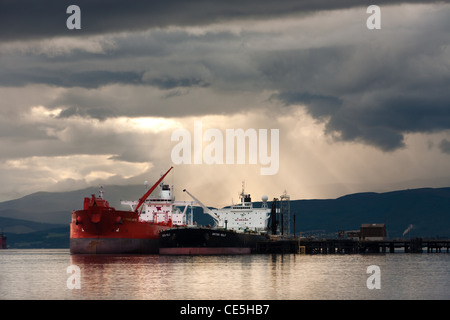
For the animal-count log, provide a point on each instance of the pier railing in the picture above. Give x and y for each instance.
(349, 246)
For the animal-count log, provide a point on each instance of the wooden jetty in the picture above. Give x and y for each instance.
(350, 246)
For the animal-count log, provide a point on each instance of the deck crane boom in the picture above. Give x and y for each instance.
(205, 208)
(147, 194)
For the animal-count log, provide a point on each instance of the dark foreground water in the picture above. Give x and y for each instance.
(55, 274)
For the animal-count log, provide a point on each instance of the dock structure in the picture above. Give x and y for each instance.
(351, 246)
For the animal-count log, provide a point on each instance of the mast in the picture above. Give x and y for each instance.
(273, 217)
(242, 195)
(147, 194)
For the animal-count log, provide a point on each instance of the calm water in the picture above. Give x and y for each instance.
(42, 274)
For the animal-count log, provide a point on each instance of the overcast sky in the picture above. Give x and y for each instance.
(357, 109)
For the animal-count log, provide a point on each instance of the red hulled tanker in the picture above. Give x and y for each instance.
(2, 241)
(101, 229)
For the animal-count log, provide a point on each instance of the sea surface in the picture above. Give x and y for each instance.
(56, 274)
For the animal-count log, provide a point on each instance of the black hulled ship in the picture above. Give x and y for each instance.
(237, 230)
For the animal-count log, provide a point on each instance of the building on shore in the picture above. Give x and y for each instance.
(372, 232)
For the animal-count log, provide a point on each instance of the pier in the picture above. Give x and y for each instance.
(350, 246)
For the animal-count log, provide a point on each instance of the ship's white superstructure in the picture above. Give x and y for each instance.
(240, 217)
(163, 208)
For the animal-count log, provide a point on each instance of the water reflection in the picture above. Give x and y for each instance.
(42, 274)
(220, 277)
(122, 277)
(261, 277)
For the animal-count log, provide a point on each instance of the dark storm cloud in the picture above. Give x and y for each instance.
(170, 83)
(110, 61)
(93, 79)
(26, 19)
(381, 124)
(67, 78)
(91, 112)
(373, 91)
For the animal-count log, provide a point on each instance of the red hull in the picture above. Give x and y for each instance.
(99, 228)
(2, 241)
(102, 229)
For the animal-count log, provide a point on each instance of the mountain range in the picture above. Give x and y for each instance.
(41, 220)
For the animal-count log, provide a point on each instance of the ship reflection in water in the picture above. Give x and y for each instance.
(42, 274)
(244, 277)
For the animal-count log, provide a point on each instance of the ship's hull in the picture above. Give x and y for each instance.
(113, 246)
(205, 241)
(107, 231)
(2, 241)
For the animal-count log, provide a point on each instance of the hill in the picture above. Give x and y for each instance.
(19, 226)
(427, 209)
(56, 238)
(56, 207)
